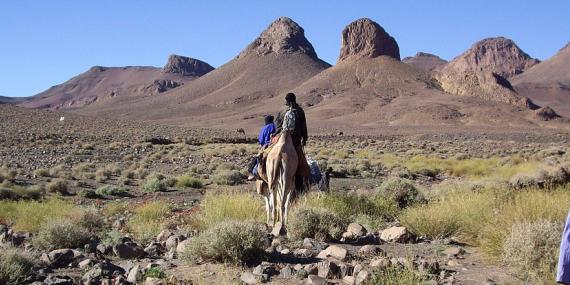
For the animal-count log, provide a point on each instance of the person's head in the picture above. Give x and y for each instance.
(290, 99)
(268, 119)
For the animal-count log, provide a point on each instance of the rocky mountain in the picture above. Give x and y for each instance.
(108, 85)
(425, 61)
(10, 100)
(237, 92)
(364, 38)
(484, 69)
(548, 83)
(367, 91)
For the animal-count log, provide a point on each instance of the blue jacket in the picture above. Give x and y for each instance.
(265, 134)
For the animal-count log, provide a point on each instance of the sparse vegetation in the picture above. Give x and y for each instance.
(110, 190)
(396, 275)
(57, 186)
(219, 207)
(155, 184)
(321, 224)
(189, 181)
(229, 241)
(148, 220)
(17, 266)
(228, 177)
(29, 216)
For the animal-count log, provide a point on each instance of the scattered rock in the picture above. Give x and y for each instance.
(303, 252)
(380, 263)
(546, 114)
(316, 280)
(328, 269)
(313, 244)
(154, 249)
(135, 274)
(370, 250)
(58, 280)
(153, 281)
(286, 272)
(250, 278)
(164, 235)
(350, 280)
(128, 250)
(181, 247)
(334, 251)
(277, 229)
(396, 234)
(104, 249)
(356, 229)
(102, 270)
(453, 251)
(58, 257)
(85, 263)
(362, 277)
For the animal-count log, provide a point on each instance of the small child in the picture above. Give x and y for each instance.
(264, 139)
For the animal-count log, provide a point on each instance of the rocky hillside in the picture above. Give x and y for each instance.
(548, 83)
(484, 69)
(425, 61)
(109, 85)
(364, 38)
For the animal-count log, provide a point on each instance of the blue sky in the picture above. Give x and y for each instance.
(44, 43)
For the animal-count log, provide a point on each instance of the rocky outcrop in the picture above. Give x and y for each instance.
(484, 69)
(500, 56)
(425, 61)
(546, 114)
(283, 36)
(365, 38)
(186, 66)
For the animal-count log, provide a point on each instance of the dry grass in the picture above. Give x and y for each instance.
(29, 216)
(236, 206)
(148, 220)
(17, 266)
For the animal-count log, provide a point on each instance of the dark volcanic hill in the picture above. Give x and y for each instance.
(280, 59)
(11, 100)
(106, 85)
(484, 69)
(548, 83)
(425, 61)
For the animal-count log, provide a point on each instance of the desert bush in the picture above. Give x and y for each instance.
(532, 249)
(155, 183)
(228, 177)
(111, 190)
(17, 266)
(219, 207)
(229, 241)
(29, 216)
(102, 175)
(189, 181)
(15, 192)
(61, 233)
(57, 186)
(463, 214)
(155, 272)
(401, 191)
(525, 206)
(7, 173)
(321, 224)
(42, 172)
(396, 275)
(148, 220)
(115, 208)
(352, 205)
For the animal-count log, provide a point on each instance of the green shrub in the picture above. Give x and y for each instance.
(61, 233)
(57, 186)
(229, 241)
(532, 248)
(320, 224)
(352, 205)
(189, 181)
(148, 220)
(228, 177)
(42, 172)
(219, 207)
(400, 190)
(111, 190)
(155, 184)
(395, 275)
(155, 272)
(17, 266)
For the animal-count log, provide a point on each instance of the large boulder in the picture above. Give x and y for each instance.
(334, 251)
(365, 38)
(396, 234)
(129, 250)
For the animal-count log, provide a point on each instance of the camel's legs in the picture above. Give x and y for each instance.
(267, 208)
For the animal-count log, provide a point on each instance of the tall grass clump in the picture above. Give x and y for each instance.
(29, 216)
(17, 266)
(401, 191)
(396, 275)
(112, 190)
(189, 181)
(527, 206)
(462, 214)
(229, 241)
(148, 220)
(532, 250)
(155, 183)
(218, 207)
(228, 177)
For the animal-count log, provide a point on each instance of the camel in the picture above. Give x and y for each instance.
(278, 182)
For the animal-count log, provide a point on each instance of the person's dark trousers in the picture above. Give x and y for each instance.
(252, 164)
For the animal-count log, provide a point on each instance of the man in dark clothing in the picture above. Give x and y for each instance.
(299, 135)
(264, 139)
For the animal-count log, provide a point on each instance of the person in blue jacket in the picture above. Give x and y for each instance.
(563, 274)
(264, 139)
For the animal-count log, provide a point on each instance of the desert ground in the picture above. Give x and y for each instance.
(98, 201)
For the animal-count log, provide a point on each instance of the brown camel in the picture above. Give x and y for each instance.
(280, 168)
